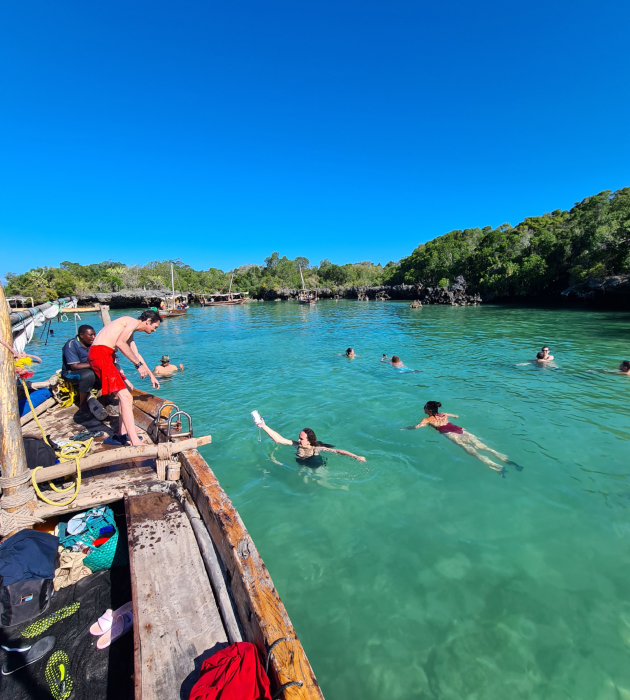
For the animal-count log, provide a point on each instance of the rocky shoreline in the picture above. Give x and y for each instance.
(453, 296)
(609, 292)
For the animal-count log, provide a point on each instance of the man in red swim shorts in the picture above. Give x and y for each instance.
(118, 335)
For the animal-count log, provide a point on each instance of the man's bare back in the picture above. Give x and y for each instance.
(112, 331)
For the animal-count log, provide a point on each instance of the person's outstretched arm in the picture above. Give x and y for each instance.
(276, 437)
(421, 424)
(451, 415)
(341, 452)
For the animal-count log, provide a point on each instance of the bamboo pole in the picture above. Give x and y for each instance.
(12, 454)
(100, 459)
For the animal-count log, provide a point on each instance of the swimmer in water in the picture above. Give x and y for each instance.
(394, 362)
(624, 367)
(462, 437)
(544, 356)
(350, 352)
(308, 446)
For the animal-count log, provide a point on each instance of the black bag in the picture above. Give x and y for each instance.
(28, 561)
(38, 453)
(24, 600)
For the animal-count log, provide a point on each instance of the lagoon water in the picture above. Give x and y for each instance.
(422, 573)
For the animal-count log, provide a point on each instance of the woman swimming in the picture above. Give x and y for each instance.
(624, 367)
(462, 437)
(308, 446)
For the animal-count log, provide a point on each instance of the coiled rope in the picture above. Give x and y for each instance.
(75, 449)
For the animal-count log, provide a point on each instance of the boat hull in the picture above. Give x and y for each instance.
(233, 302)
(171, 314)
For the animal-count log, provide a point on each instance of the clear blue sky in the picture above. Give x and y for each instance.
(220, 132)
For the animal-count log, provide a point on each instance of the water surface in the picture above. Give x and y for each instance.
(422, 573)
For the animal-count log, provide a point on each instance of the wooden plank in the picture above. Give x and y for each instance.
(262, 614)
(176, 621)
(101, 490)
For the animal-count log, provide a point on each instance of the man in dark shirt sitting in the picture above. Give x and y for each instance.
(75, 365)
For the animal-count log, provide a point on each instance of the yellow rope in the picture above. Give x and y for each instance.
(67, 393)
(74, 449)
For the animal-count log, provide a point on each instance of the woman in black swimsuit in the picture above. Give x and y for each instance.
(308, 446)
(462, 437)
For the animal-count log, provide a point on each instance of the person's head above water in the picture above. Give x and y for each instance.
(307, 439)
(395, 359)
(431, 408)
(546, 349)
(540, 356)
(350, 352)
(625, 366)
(165, 360)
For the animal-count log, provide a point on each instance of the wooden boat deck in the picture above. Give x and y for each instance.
(176, 621)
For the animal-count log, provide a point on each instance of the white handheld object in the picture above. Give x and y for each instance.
(256, 417)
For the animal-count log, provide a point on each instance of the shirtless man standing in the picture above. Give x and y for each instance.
(166, 368)
(118, 335)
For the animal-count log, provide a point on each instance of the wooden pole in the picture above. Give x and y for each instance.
(105, 315)
(12, 454)
(100, 459)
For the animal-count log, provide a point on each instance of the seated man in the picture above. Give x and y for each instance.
(166, 369)
(75, 365)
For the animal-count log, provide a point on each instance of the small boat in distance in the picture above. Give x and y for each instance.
(171, 305)
(306, 296)
(229, 299)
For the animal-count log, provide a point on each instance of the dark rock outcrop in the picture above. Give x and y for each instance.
(127, 299)
(613, 292)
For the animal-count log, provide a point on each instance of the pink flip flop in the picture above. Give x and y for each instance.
(106, 620)
(122, 625)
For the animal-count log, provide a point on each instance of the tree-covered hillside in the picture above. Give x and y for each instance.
(541, 254)
(44, 283)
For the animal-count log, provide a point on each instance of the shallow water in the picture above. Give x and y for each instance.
(422, 573)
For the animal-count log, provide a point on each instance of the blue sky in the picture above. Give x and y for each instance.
(220, 132)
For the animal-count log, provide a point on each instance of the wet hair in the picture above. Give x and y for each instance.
(84, 329)
(149, 315)
(540, 356)
(348, 351)
(312, 439)
(395, 358)
(625, 364)
(433, 407)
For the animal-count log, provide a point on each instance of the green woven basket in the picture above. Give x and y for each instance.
(110, 553)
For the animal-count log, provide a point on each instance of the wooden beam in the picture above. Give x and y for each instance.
(119, 454)
(28, 417)
(12, 454)
(105, 314)
(260, 609)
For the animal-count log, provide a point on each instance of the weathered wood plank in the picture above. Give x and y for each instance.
(101, 490)
(262, 614)
(176, 621)
(42, 408)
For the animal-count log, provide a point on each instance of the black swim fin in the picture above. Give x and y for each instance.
(19, 659)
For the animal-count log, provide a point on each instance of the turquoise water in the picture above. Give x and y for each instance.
(422, 573)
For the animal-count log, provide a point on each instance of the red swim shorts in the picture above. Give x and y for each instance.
(101, 359)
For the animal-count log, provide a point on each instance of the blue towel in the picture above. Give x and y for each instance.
(38, 396)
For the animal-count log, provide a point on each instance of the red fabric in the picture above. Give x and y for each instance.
(234, 673)
(101, 359)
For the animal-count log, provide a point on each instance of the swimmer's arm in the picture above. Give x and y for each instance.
(451, 415)
(421, 424)
(276, 437)
(341, 452)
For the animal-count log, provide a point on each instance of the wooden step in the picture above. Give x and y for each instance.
(176, 621)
